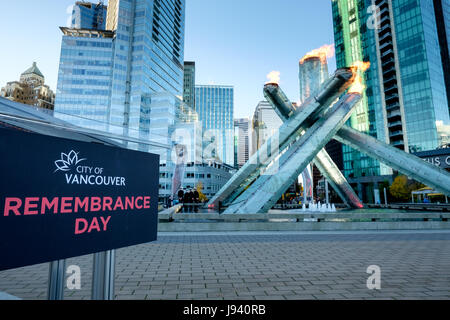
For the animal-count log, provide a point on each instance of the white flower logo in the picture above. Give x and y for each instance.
(67, 161)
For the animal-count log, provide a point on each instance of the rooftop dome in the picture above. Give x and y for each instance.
(33, 70)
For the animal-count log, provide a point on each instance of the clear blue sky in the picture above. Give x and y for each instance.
(233, 42)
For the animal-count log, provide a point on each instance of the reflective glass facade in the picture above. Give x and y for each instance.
(215, 108)
(148, 57)
(242, 141)
(265, 123)
(354, 43)
(422, 78)
(442, 11)
(313, 72)
(189, 84)
(87, 15)
(141, 70)
(84, 81)
(406, 91)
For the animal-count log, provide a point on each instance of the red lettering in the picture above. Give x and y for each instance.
(29, 206)
(45, 204)
(105, 222)
(77, 226)
(136, 204)
(66, 205)
(94, 225)
(129, 203)
(107, 202)
(81, 204)
(96, 204)
(34, 205)
(119, 204)
(146, 202)
(14, 208)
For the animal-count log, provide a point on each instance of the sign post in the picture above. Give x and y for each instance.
(103, 275)
(56, 278)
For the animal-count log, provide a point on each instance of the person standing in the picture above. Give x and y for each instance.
(187, 199)
(196, 201)
(191, 200)
(180, 195)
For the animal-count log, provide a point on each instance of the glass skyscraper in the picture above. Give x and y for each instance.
(136, 64)
(352, 45)
(189, 84)
(85, 77)
(215, 108)
(148, 58)
(442, 11)
(313, 71)
(242, 141)
(87, 15)
(406, 94)
(265, 123)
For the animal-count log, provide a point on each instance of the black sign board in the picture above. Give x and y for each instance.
(61, 198)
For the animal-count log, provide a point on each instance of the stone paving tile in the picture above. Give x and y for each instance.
(270, 266)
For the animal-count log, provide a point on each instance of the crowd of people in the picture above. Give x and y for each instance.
(190, 198)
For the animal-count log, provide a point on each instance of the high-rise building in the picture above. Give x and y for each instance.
(88, 15)
(148, 58)
(215, 108)
(313, 71)
(406, 94)
(85, 77)
(189, 84)
(265, 124)
(442, 11)
(242, 141)
(30, 89)
(116, 79)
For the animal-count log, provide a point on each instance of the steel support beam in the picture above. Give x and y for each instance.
(337, 180)
(312, 110)
(322, 160)
(56, 278)
(410, 165)
(264, 193)
(103, 275)
(284, 108)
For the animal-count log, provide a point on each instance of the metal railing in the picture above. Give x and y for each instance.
(85, 131)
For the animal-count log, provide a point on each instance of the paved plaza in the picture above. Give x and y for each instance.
(258, 266)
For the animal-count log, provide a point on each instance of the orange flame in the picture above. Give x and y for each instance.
(274, 77)
(359, 68)
(324, 52)
(361, 65)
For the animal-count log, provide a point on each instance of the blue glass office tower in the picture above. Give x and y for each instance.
(442, 11)
(148, 57)
(87, 15)
(215, 108)
(85, 76)
(142, 69)
(421, 83)
(406, 91)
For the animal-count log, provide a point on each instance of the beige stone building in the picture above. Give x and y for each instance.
(31, 89)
